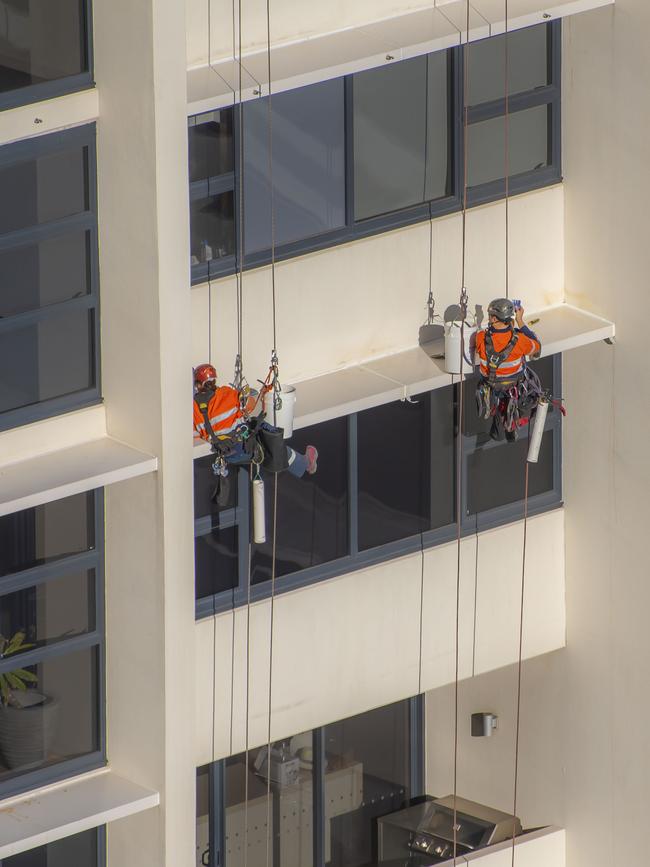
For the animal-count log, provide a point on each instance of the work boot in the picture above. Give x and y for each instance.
(495, 433)
(311, 453)
(511, 435)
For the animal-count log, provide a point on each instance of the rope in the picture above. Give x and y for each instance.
(519, 666)
(276, 406)
(239, 272)
(459, 443)
(507, 150)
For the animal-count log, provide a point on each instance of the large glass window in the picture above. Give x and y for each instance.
(49, 324)
(80, 850)
(407, 487)
(51, 625)
(368, 761)
(317, 799)
(312, 512)
(44, 49)
(528, 142)
(401, 135)
(308, 165)
(374, 150)
(385, 485)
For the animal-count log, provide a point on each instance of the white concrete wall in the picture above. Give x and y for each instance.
(367, 298)
(289, 21)
(486, 765)
(351, 643)
(607, 466)
(143, 225)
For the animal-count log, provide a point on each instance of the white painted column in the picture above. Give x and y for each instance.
(144, 259)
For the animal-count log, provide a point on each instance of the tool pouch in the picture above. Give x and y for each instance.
(275, 450)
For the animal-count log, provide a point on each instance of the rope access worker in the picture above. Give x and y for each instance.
(507, 386)
(218, 414)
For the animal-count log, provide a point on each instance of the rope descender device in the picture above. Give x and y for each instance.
(275, 381)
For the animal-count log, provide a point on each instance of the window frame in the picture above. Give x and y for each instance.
(59, 86)
(452, 203)
(91, 559)
(101, 847)
(217, 785)
(549, 95)
(85, 221)
(355, 559)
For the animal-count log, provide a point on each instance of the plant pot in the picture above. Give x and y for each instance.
(26, 732)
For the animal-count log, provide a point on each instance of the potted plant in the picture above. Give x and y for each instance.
(26, 715)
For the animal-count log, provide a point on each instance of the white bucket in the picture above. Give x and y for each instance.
(453, 333)
(283, 417)
(538, 430)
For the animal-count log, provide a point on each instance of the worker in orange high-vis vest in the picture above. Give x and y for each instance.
(218, 413)
(502, 350)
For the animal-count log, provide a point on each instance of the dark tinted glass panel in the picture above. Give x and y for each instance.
(308, 165)
(210, 141)
(51, 612)
(45, 533)
(312, 512)
(46, 272)
(215, 562)
(55, 719)
(473, 425)
(406, 468)
(80, 850)
(401, 139)
(43, 189)
(204, 486)
(527, 145)
(212, 228)
(527, 64)
(203, 805)
(41, 40)
(291, 841)
(368, 758)
(46, 359)
(496, 475)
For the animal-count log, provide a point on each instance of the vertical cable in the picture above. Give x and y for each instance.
(519, 667)
(506, 135)
(276, 406)
(459, 433)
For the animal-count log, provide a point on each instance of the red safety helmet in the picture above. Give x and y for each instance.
(203, 374)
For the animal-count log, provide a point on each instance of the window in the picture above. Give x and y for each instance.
(401, 117)
(51, 629)
(385, 486)
(44, 49)
(533, 127)
(49, 318)
(494, 472)
(374, 150)
(328, 787)
(80, 850)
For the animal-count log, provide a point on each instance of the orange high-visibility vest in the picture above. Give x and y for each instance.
(223, 410)
(512, 366)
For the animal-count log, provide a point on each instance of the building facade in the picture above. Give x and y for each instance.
(188, 183)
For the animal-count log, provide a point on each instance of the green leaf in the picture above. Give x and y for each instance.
(25, 675)
(15, 682)
(15, 642)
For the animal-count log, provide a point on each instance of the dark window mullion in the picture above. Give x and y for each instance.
(353, 486)
(48, 572)
(516, 102)
(319, 821)
(83, 221)
(60, 648)
(212, 186)
(52, 311)
(47, 145)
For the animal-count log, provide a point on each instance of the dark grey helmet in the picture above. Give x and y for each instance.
(502, 308)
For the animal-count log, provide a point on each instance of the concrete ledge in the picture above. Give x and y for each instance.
(67, 808)
(411, 372)
(330, 55)
(63, 456)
